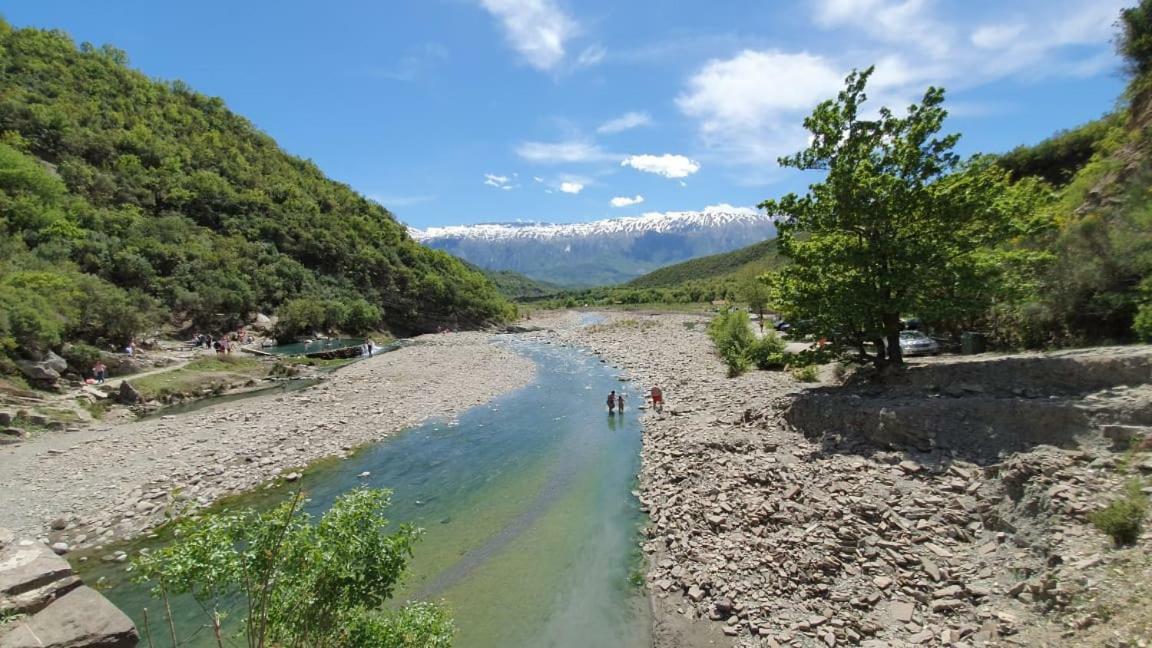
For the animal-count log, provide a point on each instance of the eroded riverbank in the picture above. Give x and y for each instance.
(763, 536)
(109, 483)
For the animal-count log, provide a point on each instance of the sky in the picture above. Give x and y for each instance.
(464, 111)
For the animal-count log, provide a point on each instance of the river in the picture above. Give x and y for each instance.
(531, 526)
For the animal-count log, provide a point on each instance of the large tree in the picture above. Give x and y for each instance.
(892, 228)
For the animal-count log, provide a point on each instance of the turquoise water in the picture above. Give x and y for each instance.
(531, 528)
(301, 348)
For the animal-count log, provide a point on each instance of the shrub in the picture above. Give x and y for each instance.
(768, 353)
(807, 373)
(734, 340)
(1122, 518)
(297, 583)
(1142, 324)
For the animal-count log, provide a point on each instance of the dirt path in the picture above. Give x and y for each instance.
(113, 482)
(760, 536)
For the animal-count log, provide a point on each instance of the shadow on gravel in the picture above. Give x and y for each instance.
(982, 410)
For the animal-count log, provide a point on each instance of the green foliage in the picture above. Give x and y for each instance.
(894, 225)
(1057, 159)
(733, 339)
(1123, 518)
(768, 352)
(1142, 324)
(807, 373)
(143, 197)
(1135, 39)
(719, 271)
(514, 285)
(297, 583)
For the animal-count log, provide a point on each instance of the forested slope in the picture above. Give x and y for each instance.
(755, 259)
(126, 201)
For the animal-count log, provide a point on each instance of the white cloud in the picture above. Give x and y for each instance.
(591, 55)
(537, 29)
(749, 107)
(562, 152)
(627, 121)
(571, 187)
(538, 178)
(667, 165)
(498, 181)
(625, 201)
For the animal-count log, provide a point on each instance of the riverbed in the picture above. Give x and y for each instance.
(528, 505)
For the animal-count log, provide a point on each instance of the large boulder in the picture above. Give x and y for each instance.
(31, 576)
(128, 394)
(82, 618)
(46, 370)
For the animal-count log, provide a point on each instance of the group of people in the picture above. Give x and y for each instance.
(224, 344)
(616, 400)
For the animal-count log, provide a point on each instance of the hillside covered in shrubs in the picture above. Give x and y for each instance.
(128, 203)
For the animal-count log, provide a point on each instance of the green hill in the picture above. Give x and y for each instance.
(126, 202)
(514, 285)
(737, 264)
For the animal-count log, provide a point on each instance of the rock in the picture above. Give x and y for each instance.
(80, 618)
(883, 582)
(901, 611)
(60, 548)
(59, 524)
(910, 467)
(128, 394)
(44, 371)
(6, 418)
(31, 577)
(292, 476)
(12, 435)
(695, 593)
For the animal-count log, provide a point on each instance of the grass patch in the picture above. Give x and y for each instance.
(1123, 518)
(97, 409)
(208, 372)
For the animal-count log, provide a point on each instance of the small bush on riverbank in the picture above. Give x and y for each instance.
(296, 583)
(734, 340)
(1123, 518)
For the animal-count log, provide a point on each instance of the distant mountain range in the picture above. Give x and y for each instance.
(601, 252)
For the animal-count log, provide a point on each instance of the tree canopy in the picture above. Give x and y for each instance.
(894, 226)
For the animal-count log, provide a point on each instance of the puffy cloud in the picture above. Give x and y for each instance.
(591, 55)
(536, 29)
(625, 201)
(667, 165)
(562, 152)
(625, 122)
(571, 187)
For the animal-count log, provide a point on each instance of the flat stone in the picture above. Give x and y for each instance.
(883, 582)
(901, 611)
(28, 565)
(80, 618)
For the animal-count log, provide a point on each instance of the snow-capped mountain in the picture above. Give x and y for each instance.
(604, 251)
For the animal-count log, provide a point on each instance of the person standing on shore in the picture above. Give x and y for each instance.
(657, 399)
(371, 346)
(99, 372)
(612, 402)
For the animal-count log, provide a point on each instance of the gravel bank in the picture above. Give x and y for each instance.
(110, 483)
(760, 536)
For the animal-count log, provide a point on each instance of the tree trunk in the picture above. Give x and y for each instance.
(892, 333)
(881, 358)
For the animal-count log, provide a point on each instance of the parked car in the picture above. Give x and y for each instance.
(914, 343)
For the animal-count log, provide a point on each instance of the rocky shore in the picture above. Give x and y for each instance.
(774, 523)
(86, 488)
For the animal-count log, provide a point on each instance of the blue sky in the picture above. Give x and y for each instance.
(462, 111)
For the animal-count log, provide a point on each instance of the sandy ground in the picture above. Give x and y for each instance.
(108, 483)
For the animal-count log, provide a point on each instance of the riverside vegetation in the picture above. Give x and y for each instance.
(1044, 246)
(128, 203)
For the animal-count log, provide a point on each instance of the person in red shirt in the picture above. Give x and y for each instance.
(657, 399)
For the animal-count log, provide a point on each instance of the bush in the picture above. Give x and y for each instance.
(1142, 324)
(1122, 518)
(734, 340)
(767, 353)
(299, 583)
(807, 373)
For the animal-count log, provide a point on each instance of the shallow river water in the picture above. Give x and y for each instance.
(531, 525)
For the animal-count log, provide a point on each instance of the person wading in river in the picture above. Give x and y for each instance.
(612, 402)
(620, 402)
